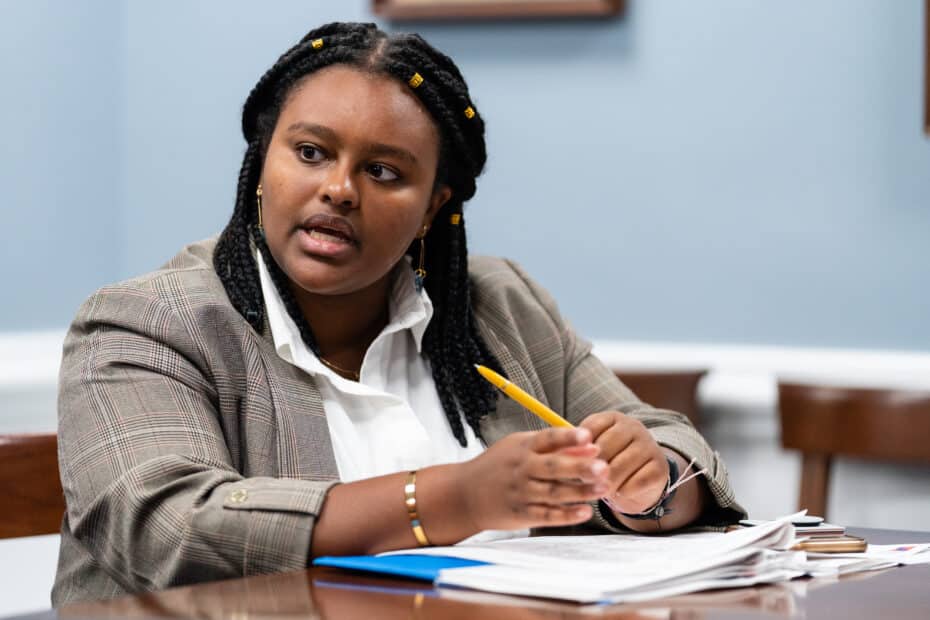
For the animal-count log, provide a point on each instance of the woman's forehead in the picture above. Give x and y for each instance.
(359, 105)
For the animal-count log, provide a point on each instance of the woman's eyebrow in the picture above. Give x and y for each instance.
(318, 130)
(379, 149)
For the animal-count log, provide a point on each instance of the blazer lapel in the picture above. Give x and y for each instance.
(304, 447)
(510, 417)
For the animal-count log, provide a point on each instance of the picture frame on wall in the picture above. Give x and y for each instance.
(927, 67)
(494, 9)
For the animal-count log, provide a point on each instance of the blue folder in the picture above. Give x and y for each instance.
(423, 567)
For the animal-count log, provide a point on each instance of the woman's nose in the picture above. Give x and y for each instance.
(339, 188)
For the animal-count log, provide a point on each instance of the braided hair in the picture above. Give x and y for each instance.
(451, 342)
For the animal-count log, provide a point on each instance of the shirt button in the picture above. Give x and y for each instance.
(238, 496)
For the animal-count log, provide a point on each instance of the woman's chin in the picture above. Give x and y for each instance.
(331, 280)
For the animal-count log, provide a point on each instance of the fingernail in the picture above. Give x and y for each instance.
(582, 435)
(581, 512)
(600, 487)
(598, 467)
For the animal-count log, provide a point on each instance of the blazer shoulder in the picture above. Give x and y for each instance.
(494, 273)
(184, 286)
(504, 295)
(189, 272)
(481, 268)
(195, 256)
(502, 282)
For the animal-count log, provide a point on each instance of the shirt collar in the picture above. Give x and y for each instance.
(407, 309)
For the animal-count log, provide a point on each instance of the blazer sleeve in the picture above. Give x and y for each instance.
(590, 387)
(151, 489)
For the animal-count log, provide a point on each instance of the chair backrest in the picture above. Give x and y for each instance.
(823, 421)
(666, 389)
(33, 502)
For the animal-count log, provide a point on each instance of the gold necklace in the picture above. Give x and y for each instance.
(354, 375)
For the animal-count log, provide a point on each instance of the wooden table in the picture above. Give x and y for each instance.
(893, 594)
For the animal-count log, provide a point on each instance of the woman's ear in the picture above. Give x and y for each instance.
(441, 196)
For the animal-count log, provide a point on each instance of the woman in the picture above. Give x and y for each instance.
(209, 409)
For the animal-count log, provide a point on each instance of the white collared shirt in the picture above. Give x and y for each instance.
(391, 419)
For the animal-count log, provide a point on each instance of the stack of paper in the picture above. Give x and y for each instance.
(628, 568)
(615, 568)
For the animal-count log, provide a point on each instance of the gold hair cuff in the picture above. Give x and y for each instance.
(317, 44)
(469, 112)
(415, 80)
(410, 499)
(455, 218)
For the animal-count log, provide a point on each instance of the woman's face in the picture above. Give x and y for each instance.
(347, 182)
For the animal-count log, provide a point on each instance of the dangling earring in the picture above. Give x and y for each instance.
(420, 272)
(258, 200)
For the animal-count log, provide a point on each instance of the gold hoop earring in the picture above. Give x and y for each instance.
(258, 200)
(420, 272)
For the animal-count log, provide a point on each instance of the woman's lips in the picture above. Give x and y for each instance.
(332, 225)
(327, 236)
(319, 243)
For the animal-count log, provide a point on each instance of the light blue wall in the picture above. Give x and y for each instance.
(61, 78)
(737, 171)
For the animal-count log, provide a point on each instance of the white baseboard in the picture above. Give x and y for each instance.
(28, 579)
(30, 357)
(741, 383)
(847, 367)
(29, 363)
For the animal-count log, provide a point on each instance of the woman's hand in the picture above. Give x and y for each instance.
(534, 479)
(638, 469)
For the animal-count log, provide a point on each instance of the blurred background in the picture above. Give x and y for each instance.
(742, 172)
(739, 187)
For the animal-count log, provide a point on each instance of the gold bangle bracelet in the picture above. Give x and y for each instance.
(410, 499)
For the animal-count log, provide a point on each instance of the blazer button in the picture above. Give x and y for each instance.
(238, 496)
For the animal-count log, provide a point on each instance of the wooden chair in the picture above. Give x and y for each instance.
(823, 421)
(666, 389)
(33, 502)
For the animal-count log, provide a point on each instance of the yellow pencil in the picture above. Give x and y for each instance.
(549, 416)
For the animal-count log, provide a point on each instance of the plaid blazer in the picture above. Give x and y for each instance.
(189, 451)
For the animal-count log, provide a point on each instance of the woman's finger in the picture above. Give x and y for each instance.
(589, 450)
(613, 442)
(643, 488)
(563, 492)
(597, 423)
(557, 466)
(552, 439)
(553, 516)
(624, 465)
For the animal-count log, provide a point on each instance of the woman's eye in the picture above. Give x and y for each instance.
(308, 152)
(382, 173)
